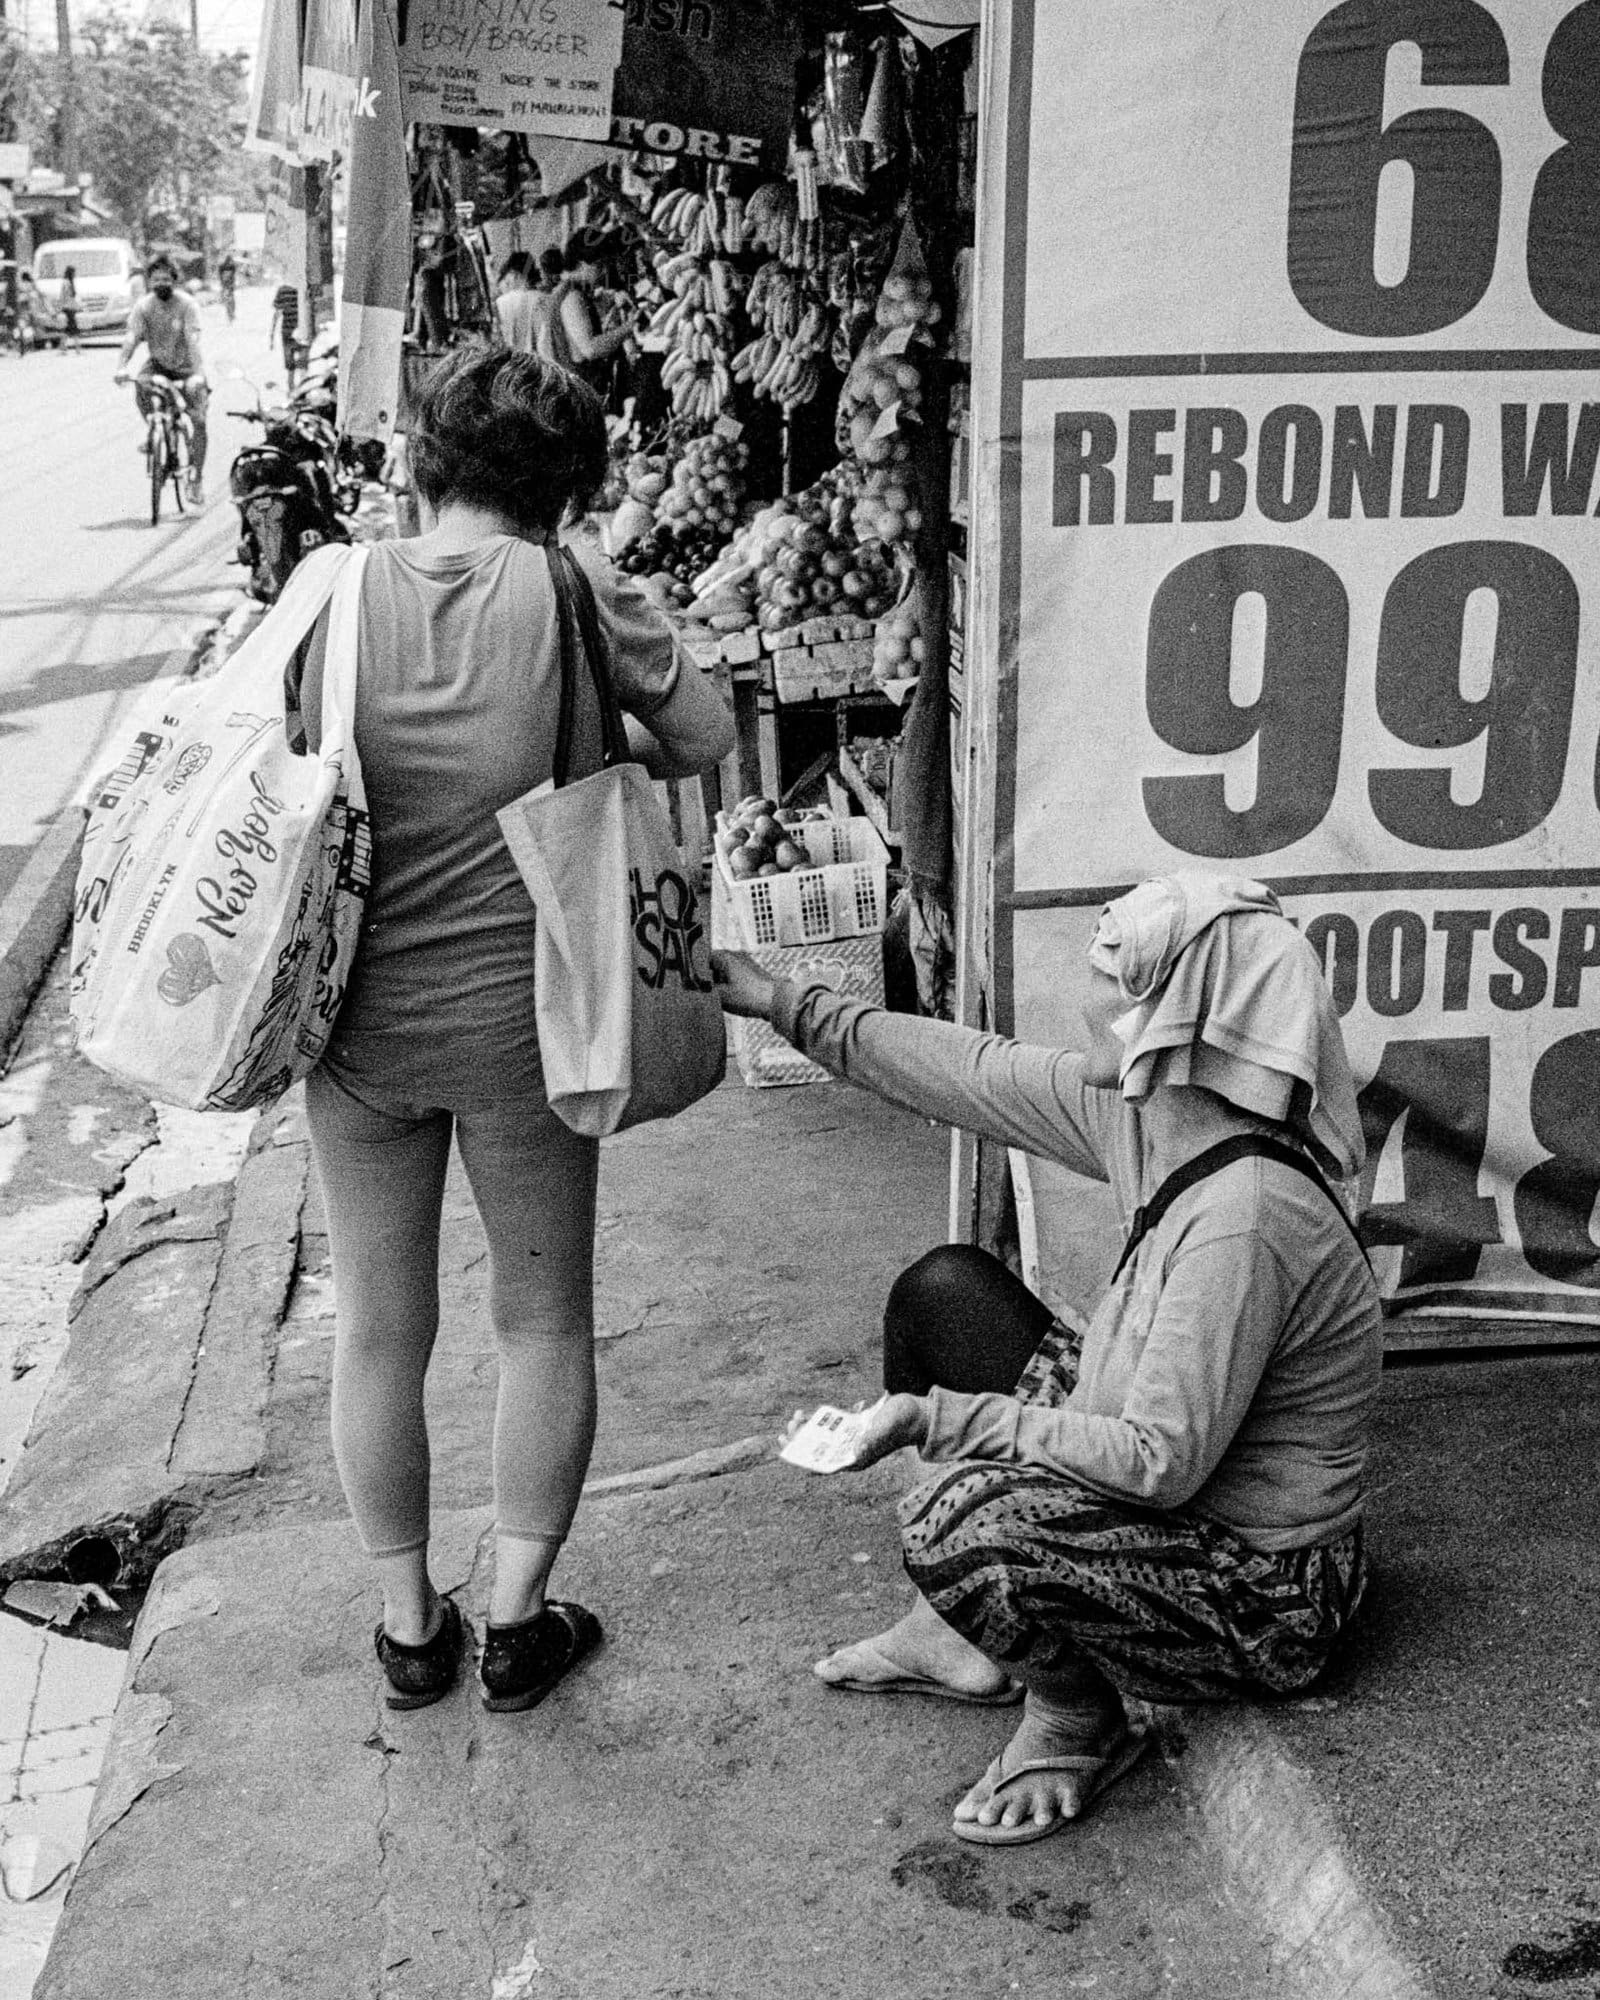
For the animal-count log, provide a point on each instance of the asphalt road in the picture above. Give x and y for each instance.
(93, 600)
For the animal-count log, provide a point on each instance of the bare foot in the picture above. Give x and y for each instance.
(1100, 1744)
(919, 1647)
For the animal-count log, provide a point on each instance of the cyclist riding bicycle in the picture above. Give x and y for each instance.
(168, 323)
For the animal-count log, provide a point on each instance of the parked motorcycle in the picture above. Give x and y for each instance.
(356, 460)
(285, 491)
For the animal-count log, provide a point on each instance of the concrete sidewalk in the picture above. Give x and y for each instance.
(694, 1814)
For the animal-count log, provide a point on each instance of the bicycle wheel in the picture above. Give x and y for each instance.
(158, 468)
(178, 471)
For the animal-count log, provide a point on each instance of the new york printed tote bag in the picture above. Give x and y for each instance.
(630, 1027)
(221, 887)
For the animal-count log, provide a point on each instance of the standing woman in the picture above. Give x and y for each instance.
(572, 337)
(67, 302)
(456, 714)
(1168, 1507)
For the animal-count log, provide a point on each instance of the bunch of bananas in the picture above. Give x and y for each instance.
(781, 361)
(702, 223)
(696, 373)
(779, 368)
(772, 222)
(781, 303)
(702, 284)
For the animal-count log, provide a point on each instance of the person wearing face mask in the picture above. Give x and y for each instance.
(1164, 1505)
(167, 322)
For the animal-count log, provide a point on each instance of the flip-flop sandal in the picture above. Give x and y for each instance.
(522, 1663)
(1101, 1771)
(418, 1675)
(898, 1681)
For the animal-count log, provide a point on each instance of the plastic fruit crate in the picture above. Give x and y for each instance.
(843, 894)
(845, 965)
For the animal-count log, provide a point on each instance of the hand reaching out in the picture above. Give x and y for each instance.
(742, 986)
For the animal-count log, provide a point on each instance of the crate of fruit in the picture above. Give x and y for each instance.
(852, 965)
(800, 878)
(824, 671)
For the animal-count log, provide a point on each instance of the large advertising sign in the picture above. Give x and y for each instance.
(1293, 407)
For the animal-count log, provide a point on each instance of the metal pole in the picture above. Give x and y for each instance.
(68, 114)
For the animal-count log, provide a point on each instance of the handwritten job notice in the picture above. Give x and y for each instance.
(512, 65)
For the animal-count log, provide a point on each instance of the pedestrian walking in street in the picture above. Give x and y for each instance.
(285, 322)
(458, 704)
(67, 305)
(1167, 1506)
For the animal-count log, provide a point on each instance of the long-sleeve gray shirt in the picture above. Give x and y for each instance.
(1232, 1366)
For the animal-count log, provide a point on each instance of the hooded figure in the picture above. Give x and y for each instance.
(1165, 1504)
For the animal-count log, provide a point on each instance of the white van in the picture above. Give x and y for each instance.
(108, 276)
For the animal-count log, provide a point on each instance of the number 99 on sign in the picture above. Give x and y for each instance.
(1521, 726)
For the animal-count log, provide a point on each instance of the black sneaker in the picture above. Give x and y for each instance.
(421, 1674)
(522, 1663)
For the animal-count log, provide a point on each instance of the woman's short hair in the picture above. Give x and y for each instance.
(551, 262)
(517, 265)
(509, 431)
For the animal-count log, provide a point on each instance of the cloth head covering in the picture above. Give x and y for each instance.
(1227, 996)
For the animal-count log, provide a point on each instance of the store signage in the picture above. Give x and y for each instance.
(327, 79)
(515, 65)
(1297, 319)
(709, 79)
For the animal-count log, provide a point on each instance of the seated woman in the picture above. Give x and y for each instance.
(1169, 1509)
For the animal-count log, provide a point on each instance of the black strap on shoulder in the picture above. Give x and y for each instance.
(581, 638)
(1243, 1146)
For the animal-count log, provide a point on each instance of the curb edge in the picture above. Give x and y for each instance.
(1283, 1860)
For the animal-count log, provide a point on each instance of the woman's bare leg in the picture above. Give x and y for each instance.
(534, 1182)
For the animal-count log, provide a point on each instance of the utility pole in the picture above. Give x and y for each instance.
(194, 24)
(67, 117)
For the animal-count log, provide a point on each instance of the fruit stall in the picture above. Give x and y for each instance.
(779, 196)
(798, 504)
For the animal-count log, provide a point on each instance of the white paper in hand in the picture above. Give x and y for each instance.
(827, 1440)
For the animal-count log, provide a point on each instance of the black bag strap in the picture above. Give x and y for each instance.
(581, 637)
(1243, 1146)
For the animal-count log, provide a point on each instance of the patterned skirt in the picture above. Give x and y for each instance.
(1037, 1570)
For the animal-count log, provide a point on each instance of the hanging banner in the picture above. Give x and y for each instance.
(1283, 509)
(513, 65)
(284, 244)
(327, 79)
(272, 124)
(377, 258)
(709, 79)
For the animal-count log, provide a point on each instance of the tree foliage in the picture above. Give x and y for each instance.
(158, 122)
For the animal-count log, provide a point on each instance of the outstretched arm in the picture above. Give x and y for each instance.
(1015, 1092)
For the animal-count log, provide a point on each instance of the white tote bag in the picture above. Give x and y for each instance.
(223, 877)
(630, 1027)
